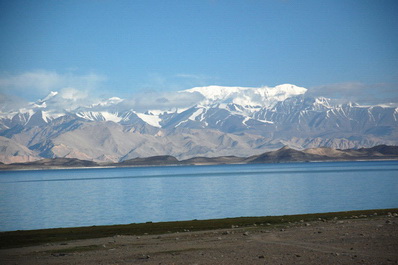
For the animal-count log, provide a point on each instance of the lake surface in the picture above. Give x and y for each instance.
(85, 197)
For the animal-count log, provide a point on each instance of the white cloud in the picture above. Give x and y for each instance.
(36, 84)
(161, 82)
(73, 94)
(10, 103)
(161, 101)
(358, 92)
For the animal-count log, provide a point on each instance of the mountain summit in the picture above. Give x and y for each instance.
(248, 96)
(220, 121)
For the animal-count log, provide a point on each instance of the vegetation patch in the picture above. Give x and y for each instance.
(77, 249)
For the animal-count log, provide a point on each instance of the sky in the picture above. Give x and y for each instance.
(104, 48)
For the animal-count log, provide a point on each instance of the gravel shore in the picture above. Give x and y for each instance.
(357, 240)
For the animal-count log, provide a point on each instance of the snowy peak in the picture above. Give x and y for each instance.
(248, 96)
(49, 96)
(108, 102)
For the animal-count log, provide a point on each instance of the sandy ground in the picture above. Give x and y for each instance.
(349, 241)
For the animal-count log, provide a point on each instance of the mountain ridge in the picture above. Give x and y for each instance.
(214, 125)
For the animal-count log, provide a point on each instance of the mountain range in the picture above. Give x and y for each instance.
(282, 155)
(218, 121)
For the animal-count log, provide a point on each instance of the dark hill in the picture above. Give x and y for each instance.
(284, 154)
(58, 162)
(150, 161)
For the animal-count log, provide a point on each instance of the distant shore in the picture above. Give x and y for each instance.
(26, 168)
(283, 155)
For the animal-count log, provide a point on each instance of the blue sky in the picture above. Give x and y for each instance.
(337, 48)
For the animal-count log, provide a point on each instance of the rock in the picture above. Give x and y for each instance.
(298, 256)
(144, 257)
(226, 233)
(58, 254)
(261, 257)
(246, 233)
(307, 224)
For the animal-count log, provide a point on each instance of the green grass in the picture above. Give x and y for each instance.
(35, 237)
(78, 249)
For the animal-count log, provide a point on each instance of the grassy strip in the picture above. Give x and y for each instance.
(75, 249)
(35, 237)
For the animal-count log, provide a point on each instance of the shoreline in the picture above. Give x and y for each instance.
(23, 238)
(4, 167)
(355, 237)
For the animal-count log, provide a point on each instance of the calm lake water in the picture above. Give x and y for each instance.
(86, 197)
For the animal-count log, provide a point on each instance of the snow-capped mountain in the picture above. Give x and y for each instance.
(239, 121)
(248, 96)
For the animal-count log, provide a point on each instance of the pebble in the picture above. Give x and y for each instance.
(144, 257)
(58, 254)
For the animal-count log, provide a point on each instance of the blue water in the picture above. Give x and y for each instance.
(85, 197)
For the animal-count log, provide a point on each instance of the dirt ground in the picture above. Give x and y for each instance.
(349, 241)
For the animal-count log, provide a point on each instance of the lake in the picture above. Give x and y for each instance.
(38, 199)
